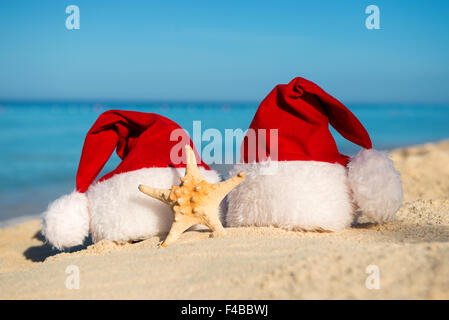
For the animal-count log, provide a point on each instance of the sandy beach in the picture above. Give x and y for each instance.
(411, 254)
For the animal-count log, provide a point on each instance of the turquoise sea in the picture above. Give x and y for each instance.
(41, 142)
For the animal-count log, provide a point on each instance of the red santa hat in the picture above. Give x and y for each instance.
(303, 181)
(151, 148)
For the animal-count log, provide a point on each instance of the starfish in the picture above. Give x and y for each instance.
(194, 201)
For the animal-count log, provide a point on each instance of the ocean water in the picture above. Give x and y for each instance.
(40, 143)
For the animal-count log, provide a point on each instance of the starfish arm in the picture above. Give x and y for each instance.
(224, 187)
(178, 227)
(191, 166)
(212, 221)
(159, 194)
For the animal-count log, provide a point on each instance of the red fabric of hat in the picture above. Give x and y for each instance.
(141, 140)
(301, 112)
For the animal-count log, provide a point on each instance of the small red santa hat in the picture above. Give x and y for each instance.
(141, 140)
(308, 177)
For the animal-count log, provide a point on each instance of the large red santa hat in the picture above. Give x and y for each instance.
(298, 178)
(151, 148)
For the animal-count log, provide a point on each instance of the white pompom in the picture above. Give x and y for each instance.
(376, 185)
(66, 221)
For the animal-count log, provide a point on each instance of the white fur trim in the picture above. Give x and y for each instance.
(375, 184)
(66, 222)
(304, 195)
(120, 212)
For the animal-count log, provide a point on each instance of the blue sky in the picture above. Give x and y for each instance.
(223, 50)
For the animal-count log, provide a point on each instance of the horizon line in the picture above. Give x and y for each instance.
(211, 101)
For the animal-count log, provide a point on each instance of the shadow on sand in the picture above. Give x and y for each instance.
(42, 252)
(407, 232)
